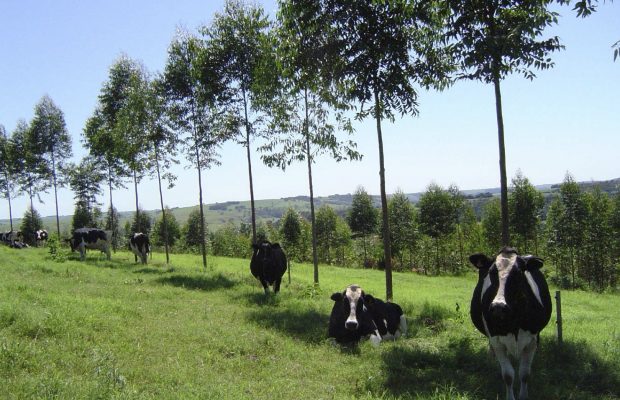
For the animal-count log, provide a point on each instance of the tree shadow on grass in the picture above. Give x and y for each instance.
(206, 283)
(571, 371)
(154, 270)
(309, 326)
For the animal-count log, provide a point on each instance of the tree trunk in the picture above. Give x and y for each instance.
(502, 160)
(315, 258)
(202, 215)
(112, 223)
(55, 193)
(247, 142)
(31, 195)
(163, 210)
(387, 250)
(8, 197)
(135, 186)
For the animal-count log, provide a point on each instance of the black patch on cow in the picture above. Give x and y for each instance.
(386, 315)
(268, 264)
(340, 314)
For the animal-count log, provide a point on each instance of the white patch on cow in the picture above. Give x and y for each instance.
(486, 284)
(511, 345)
(504, 266)
(353, 294)
(375, 338)
(403, 325)
(534, 286)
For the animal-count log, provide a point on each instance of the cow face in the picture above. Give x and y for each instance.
(352, 301)
(505, 281)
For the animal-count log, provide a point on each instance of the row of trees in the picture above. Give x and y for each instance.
(293, 82)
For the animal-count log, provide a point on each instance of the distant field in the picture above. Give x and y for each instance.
(113, 329)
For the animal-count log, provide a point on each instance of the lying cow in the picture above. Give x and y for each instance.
(268, 265)
(140, 246)
(511, 305)
(90, 238)
(356, 315)
(41, 236)
(10, 237)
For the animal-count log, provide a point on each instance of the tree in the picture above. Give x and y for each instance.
(7, 170)
(31, 170)
(112, 224)
(383, 48)
(49, 126)
(237, 36)
(363, 217)
(31, 223)
(326, 223)
(85, 181)
(403, 225)
(525, 204)
(168, 234)
(492, 39)
(141, 222)
(290, 230)
(598, 240)
(298, 103)
(193, 86)
(193, 229)
(492, 225)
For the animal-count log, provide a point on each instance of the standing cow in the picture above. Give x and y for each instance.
(90, 238)
(356, 315)
(41, 236)
(140, 246)
(511, 305)
(268, 265)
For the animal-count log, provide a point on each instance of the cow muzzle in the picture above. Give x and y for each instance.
(351, 324)
(499, 310)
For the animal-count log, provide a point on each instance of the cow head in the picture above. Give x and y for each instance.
(506, 279)
(352, 301)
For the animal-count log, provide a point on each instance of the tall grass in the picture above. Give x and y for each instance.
(115, 329)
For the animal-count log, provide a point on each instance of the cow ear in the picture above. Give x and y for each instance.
(532, 263)
(480, 260)
(368, 299)
(336, 296)
(275, 245)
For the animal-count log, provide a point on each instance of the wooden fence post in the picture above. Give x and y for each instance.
(558, 320)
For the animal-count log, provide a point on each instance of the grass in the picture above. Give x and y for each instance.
(119, 330)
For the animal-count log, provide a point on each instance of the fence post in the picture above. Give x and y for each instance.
(558, 308)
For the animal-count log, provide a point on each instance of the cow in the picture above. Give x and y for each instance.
(356, 315)
(90, 238)
(140, 246)
(41, 236)
(11, 236)
(268, 264)
(510, 305)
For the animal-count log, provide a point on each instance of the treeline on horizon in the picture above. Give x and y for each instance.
(290, 89)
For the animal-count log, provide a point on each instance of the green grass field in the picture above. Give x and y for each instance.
(116, 330)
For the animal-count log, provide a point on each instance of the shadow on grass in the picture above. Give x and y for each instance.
(154, 270)
(571, 371)
(207, 283)
(308, 326)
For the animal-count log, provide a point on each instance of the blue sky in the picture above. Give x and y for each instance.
(565, 120)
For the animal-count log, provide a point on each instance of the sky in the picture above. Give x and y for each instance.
(566, 120)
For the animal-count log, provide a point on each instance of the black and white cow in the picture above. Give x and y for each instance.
(268, 264)
(90, 238)
(356, 315)
(140, 246)
(510, 305)
(10, 237)
(41, 236)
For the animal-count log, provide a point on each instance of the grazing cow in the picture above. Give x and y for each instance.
(268, 264)
(511, 305)
(140, 246)
(90, 238)
(357, 315)
(41, 236)
(10, 237)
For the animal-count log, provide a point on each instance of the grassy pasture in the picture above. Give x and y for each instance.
(114, 329)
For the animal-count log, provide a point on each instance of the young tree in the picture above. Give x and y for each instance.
(326, 222)
(492, 39)
(166, 231)
(7, 170)
(49, 127)
(85, 181)
(193, 86)
(31, 223)
(525, 204)
(383, 49)
(193, 229)
(363, 217)
(492, 225)
(112, 224)
(290, 230)
(403, 225)
(598, 240)
(141, 222)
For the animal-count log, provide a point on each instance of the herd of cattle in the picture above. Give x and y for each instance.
(510, 305)
(15, 239)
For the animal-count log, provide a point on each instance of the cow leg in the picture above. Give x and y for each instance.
(525, 366)
(508, 372)
(265, 286)
(82, 249)
(276, 285)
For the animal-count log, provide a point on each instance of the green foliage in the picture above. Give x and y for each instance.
(84, 217)
(525, 205)
(54, 248)
(403, 226)
(229, 241)
(31, 223)
(173, 230)
(191, 233)
(492, 225)
(141, 223)
(112, 223)
(438, 212)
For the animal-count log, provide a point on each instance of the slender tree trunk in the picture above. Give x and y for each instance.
(502, 160)
(135, 185)
(55, 193)
(112, 222)
(315, 258)
(31, 195)
(163, 210)
(247, 142)
(8, 197)
(387, 250)
(202, 215)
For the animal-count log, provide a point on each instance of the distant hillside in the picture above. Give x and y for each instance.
(234, 212)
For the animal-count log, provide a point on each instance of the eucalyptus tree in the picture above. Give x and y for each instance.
(383, 49)
(31, 170)
(194, 86)
(494, 38)
(492, 225)
(7, 170)
(300, 108)
(49, 127)
(525, 205)
(363, 217)
(85, 181)
(403, 225)
(236, 35)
